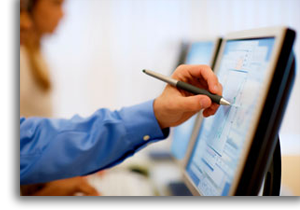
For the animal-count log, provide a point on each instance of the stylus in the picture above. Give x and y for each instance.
(187, 87)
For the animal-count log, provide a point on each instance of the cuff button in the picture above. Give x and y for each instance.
(146, 138)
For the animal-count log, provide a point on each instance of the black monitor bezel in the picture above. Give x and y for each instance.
(267, 128)
(265, 138)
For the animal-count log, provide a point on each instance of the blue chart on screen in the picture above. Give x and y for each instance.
(217, 151)
(199, 53)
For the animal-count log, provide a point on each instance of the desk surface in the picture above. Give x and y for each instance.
(162, 172)
(291, 173)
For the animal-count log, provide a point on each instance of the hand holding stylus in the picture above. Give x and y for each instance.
(174, 106)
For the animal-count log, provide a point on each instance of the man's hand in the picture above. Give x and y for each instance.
(175, 106)
(68, 187)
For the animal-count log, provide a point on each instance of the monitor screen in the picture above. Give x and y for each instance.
(199, 53)
(221, 139)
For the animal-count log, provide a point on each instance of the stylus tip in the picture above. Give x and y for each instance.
(224, 102)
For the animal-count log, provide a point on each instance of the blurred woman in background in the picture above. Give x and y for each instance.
(37, 19)
(35, 82)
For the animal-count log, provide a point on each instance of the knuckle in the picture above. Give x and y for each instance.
(206, 67)
(182, 66)
(179, 70)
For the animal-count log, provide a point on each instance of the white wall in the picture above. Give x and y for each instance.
(97, 54)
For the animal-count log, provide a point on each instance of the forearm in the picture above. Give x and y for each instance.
(54, 149)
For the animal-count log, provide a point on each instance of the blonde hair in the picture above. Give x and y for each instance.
(41, 75)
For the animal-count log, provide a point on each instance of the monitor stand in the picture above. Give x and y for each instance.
(179, 189)
(272, 181)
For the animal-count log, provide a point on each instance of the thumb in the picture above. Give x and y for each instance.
(195, 103)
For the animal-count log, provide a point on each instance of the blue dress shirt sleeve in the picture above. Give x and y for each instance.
(52, 149)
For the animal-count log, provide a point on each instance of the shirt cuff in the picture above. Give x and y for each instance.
(141, 124)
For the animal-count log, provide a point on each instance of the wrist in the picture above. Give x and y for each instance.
(159, 114)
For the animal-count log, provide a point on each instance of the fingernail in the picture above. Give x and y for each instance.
(204, 103)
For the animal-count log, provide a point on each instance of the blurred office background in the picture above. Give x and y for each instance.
(97, 55)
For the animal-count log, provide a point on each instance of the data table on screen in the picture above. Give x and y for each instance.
(221, 139)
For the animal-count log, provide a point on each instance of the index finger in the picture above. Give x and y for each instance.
(184, 72)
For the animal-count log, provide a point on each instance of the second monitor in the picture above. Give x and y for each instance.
(202, 52)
